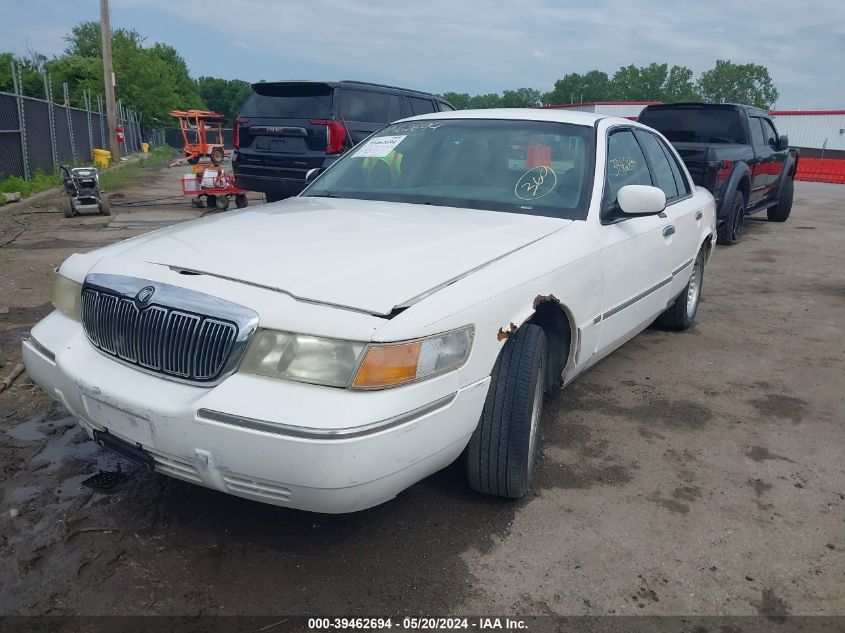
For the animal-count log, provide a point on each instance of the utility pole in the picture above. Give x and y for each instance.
(108, 78)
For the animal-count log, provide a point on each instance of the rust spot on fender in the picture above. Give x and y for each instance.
(504, 334)
(543, 299)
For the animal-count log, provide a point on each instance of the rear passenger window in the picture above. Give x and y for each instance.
(421, 106)
(363, 106)
(659, 163)
(626, 164)
(757, 137)
(678, 173)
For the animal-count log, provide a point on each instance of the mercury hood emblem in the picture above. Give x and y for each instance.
(145, 295)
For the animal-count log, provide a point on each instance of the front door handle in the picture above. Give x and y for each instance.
(669, 230)
(698, 215)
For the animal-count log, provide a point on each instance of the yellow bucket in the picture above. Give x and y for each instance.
(101, 158)
(145, 147)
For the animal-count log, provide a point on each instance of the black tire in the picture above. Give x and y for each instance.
(217, 155)
(681, 314)
(105, 207)
(211, 201)
(241, 201)
(730, 230)
(67, 207)
(501, 454)
(193, 160)
(222, 202)
(780, 212)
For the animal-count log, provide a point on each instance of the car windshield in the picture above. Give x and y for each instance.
(528, 167)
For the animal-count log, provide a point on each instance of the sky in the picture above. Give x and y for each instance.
(474, 46)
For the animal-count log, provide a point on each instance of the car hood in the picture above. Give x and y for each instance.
(370, 256)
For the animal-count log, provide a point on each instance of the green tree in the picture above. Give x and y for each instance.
(225, 96)
(655, 82)
(576, 88)
(460, 100)
(738, 83)
(520, 98)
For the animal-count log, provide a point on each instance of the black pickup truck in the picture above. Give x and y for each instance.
(735, 152)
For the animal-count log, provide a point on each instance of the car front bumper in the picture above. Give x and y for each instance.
(290, 444)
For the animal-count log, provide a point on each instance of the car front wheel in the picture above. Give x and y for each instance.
(502, 452)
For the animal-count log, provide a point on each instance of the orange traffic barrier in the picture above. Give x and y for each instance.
(821, 170)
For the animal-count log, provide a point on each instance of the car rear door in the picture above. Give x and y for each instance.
(684, 217)
(763, 163)
(282, 127)
(366, 111)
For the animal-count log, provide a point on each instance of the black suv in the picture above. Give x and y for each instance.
(286, 128)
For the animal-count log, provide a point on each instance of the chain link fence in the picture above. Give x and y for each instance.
(39, 135)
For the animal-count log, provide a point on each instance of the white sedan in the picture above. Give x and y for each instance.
(411, 307)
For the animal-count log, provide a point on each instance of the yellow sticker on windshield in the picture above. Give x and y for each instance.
(535, 183)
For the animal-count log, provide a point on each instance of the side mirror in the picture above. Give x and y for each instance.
(783, 142)
(637, 200)
(311, 174)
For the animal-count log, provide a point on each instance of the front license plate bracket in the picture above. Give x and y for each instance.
(134, 453)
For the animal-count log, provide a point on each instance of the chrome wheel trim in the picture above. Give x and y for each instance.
(694, 288)
(536, 408)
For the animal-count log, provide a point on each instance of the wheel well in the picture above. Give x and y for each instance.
(552, 318)
(744, 187)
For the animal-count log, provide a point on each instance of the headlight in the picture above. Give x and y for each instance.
(321, 361)
(332, 362)
(67, 296)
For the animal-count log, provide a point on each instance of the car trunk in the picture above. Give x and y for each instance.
(283, 126)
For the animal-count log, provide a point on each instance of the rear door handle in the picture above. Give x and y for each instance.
(668, 230)
(698, 215)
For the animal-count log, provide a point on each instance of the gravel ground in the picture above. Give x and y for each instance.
(692, 473)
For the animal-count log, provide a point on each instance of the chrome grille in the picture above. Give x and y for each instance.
(158, 338)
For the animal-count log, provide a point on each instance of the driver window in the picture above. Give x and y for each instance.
(626, 164)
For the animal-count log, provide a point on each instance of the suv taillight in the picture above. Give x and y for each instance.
(335, 135)
(236, 140)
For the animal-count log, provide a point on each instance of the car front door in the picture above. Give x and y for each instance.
(635, 253)
(763, 161)
(778, 156)
(683, 214)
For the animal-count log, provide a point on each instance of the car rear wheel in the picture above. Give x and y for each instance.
(681, 314)
(502, 452)
(731, 229)
(780, 212)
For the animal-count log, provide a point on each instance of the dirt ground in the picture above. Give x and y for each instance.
(691, 473)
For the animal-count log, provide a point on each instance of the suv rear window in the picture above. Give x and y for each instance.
(421, 106)
(695, 125)
(289, 101)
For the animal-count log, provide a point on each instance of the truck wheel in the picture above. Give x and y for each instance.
(67, 207)
(780, 212)
(502, 452)
(681, 314)
(217, 155)
(730, 230)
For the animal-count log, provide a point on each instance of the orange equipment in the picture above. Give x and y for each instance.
(198, 126)
(216, 186)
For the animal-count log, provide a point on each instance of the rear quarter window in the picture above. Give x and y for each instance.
(362, 105)
(421, 106)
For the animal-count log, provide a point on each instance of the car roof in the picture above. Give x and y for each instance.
(722, 106)
(522, 114)
(345, 83)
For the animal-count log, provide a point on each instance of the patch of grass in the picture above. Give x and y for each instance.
(110, 180)
(117, 178)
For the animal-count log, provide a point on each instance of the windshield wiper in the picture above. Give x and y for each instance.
(325, 194)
